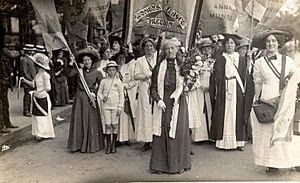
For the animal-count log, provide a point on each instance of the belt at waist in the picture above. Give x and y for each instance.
(230, 78)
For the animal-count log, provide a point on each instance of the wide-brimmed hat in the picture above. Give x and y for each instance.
(282, 36)
(236, 38)
(206, 42)
(40, 49)
(88, 51)
(29, 47)
(41, 60)
(242, 43)
(111, 64)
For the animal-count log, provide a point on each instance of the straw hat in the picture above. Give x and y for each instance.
(40, 49)
(89, 51)
(243, 42)
(206, 42)
(41, 60)
(282, 36)
(29, 47)
(111, 64)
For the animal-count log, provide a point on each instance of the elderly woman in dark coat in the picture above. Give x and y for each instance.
(85, 133)
(171, 141)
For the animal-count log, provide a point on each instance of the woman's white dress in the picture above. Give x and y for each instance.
(143, 129)
(282, 154)
(229, 132)
(42, 126)
(201, 131)
(126, 129)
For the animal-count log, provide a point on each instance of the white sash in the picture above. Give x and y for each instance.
(157, 111)
(236, 73)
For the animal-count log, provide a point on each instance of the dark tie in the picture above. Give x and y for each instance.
(273, 57)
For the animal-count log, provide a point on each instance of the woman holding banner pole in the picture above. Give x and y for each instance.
(86, 133)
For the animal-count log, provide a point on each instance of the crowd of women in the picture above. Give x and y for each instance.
(124, 95)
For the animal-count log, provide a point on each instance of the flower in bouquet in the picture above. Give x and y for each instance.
(190, 68)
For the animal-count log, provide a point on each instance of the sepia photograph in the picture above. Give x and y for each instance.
(149, 91)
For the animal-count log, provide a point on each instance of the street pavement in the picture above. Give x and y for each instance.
(49, 161)
(22, 133)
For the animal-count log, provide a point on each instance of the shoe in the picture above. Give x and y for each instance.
(27, 114)
(240, 148)
(146, 147)
(113, 148)
(4, 130)
(156, 172)
(271, 170)
(12, 126)
(192, 152)
(118, 143)
(128, 143)
(297, 168)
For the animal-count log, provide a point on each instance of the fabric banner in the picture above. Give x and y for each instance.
(218, 17)
(117, 12)
(47, 17)
(284, 117)
(235, 16)
(156, 16)
(77, 20)
(98, 10)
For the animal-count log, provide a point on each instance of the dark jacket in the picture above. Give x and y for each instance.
(217, 93)
(27, 70)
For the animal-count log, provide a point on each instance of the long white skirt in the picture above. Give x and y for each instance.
(281, 155)
(126, 132)
(201, 133)
(42, 126)
(229, 132)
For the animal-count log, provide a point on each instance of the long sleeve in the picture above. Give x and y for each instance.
(46, 79)
(100, 90)
(121, 94)
(153, 88)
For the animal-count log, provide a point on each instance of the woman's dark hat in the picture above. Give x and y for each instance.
(234, 37)
(282, 36)
(103, 49)
(89, 51)
(112, 39)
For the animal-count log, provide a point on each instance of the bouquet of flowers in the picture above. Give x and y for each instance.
(190, 68)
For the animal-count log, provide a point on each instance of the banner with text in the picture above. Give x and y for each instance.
(156, 16)
(234, 16)
(218, 17)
